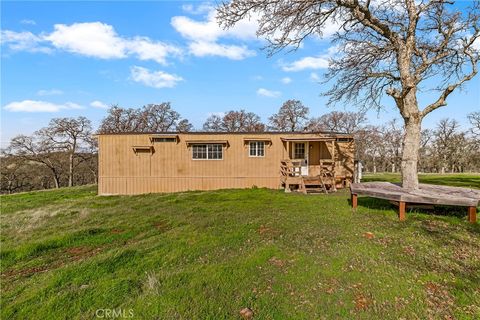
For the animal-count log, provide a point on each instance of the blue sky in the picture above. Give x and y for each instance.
(62, 59)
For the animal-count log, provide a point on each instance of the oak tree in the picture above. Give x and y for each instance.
(291, 117)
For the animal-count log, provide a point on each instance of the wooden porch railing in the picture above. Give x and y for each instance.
(289, 168)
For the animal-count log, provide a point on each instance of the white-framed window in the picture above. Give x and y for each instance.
(257, 149)
(299, 151)
(207, 152)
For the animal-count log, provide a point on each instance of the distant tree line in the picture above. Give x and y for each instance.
(64, 153)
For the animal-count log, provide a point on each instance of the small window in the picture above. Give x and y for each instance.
(299, 151)
(207, 151)
(257, 149)
(157, 139)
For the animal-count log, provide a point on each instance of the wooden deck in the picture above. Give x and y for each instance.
(426, 194)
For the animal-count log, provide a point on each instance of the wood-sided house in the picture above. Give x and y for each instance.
(135, 163)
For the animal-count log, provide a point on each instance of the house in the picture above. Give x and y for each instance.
(135, 163)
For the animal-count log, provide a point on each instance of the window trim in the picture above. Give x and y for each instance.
(207, 158)
(256, 142)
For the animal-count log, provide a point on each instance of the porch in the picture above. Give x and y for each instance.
(313, 164)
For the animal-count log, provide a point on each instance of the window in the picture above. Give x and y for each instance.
(299, 151)
(207, 151)
(257, 149)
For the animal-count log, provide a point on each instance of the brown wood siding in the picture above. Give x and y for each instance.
(170, 167)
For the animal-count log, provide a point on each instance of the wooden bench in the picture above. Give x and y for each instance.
(425, 194)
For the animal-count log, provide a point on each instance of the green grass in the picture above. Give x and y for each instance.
(206, 255)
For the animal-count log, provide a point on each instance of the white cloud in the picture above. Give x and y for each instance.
(146, 49)
(268, 93)
(199, 9)
(28, 22)
(320, 62)
(155, 79)
(202, 49)
(286, 80)
(92, 39)
(23, 41)
(51, 92)
(39, 106)
(205, 36)
(98, 104)
(314, 77)
(307, 63)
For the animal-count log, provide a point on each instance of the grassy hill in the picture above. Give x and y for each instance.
(206, 255)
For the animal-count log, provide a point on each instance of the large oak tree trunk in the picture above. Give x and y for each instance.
(411, 144)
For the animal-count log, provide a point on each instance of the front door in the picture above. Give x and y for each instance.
(300, 152)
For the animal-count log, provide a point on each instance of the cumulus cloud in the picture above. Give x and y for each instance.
(92, 39)
(286, 80)
(23, 41)
(155, 79)
(98, 104)
(205, 36)
(307, 63)
(268, 93)
(100, 40)
(39, 106)
(313, 63)
(51, 92)
(202, 49)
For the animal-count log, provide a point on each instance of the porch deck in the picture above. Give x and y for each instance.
(426, 194)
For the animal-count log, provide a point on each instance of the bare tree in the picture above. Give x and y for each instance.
(40, 150)
(474, 119)
(234, 121)
(67, 134)
(448, 143)
(184, 126)
(291, 117)
(213, 123)
(392, 140)
(13, 174)
(384, 47)
(347, 122)
(150, 118)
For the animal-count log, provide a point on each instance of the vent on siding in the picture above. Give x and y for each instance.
(159, 138)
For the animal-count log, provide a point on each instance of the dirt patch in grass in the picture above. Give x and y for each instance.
(162, 225)
(439, 301)
(268, 232)
(277, 262)
(64, 257)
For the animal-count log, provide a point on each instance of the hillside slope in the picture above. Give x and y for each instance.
(200, 255)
